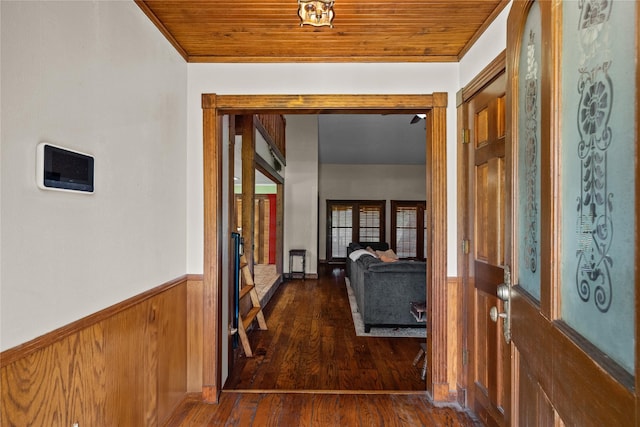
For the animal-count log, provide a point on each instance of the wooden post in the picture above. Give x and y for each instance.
(248, 186)
(437, 297)
(212, 304)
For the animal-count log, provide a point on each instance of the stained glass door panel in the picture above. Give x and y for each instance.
(598, 155)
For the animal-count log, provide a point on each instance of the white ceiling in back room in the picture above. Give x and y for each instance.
(371, 139)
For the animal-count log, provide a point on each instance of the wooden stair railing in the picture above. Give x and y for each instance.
(248, 288)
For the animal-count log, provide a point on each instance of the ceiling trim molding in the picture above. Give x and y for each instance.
(321, 59)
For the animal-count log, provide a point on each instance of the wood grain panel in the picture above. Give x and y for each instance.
(496, 194)
(127, 368)
(127, 385)
(248, 187)
(482, 127)
(437, 295)
(454, 349)
(212, 279)
(535, 408)
(317, 104)
(482, 347)
(574, 380)
(482, 213)
(172, 350)
(487, 276)
(270, 31)
(279, 228)
(273, 129)
(194, 333)
(58, 384)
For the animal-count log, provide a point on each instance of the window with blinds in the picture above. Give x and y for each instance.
(341, 230)
(353, 221)
(408, 229)
(370, 223)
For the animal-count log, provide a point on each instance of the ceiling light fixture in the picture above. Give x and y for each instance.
(316, 12)
(417, 118)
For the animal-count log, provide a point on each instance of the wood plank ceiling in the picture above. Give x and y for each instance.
(374, 31)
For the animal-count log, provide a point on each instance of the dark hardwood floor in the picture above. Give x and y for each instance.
(310, 369)
(313, 409)
(311, 345)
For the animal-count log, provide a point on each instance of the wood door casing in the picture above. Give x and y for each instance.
(440, 349)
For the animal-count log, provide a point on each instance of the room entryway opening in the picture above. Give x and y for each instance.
(434, 106)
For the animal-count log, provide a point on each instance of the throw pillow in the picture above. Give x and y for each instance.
(388, 253)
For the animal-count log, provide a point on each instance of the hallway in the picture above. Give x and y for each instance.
(310, 369)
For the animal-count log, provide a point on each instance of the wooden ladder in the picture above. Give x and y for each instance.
(247, 287)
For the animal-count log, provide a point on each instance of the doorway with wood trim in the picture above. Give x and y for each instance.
(214, 107)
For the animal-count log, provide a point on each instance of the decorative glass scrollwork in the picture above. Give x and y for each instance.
(531, 155)
(595, 203)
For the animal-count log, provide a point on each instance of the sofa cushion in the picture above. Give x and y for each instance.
(366, 261)
(399, 267)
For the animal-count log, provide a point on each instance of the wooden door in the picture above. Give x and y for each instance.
(572, 153)
(484, 147)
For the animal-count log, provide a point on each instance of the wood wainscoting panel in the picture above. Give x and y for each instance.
(454, 350)
(170, 365)
(194, 332)
(125, 365)
(57, 385)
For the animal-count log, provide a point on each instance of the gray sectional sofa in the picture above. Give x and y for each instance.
(384, 291)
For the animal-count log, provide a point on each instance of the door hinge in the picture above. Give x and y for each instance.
(466, 136)
(465, 357)
(465, 246)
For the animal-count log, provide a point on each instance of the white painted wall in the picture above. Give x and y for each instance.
(486, 48)
(369, 182)
(97, 77)
(301, 190)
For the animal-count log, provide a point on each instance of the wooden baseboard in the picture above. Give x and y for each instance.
(443, 394)
(323, 391)
(310, 276)
(462, 396)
